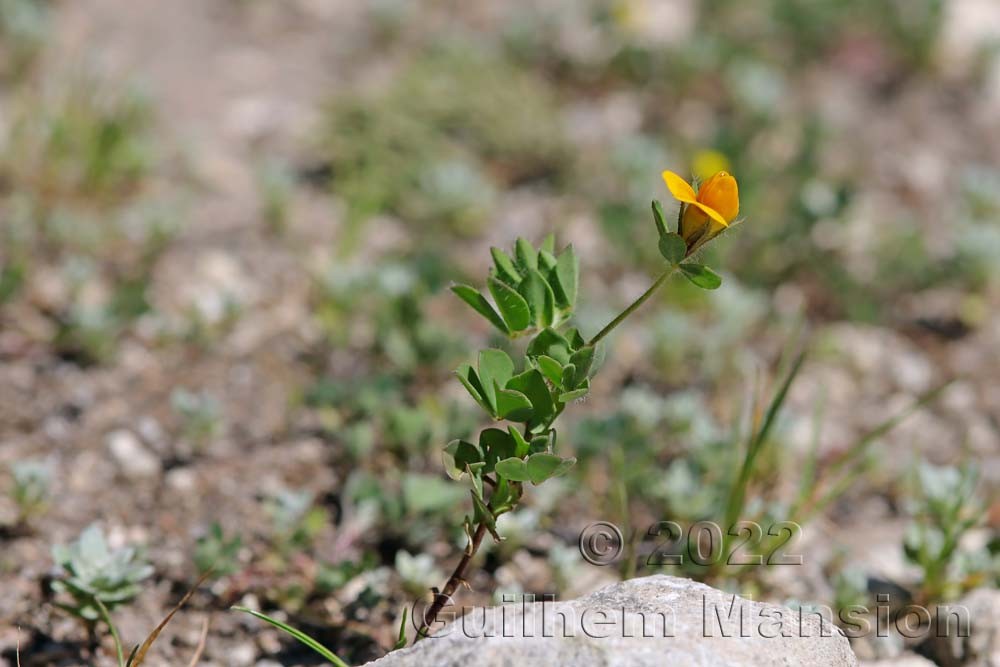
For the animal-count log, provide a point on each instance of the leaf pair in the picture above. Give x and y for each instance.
(535, 469)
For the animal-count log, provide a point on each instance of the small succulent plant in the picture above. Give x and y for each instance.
(218, 553)
(32, 481)
(96, 575)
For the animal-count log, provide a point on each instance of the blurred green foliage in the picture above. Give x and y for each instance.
(436, 144)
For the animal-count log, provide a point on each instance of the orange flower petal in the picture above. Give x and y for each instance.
(721, 194)
(679, 188)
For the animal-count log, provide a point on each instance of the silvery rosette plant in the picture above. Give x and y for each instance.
(97, 577)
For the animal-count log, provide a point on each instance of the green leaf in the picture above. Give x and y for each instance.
(568, 372)
(401, 640)
(583, 363)
(521, 446)
(297, 634)
(546, 261)
(702, 276)
(513, 405)
(496, 445)
(513, 469)
(538, 444)
(550, 343)
(527, 259)
(550, 368)
(512, 305)
(573, 395)
(564, 467)
(484, 515)
(673, 248)
(548, 244)
(467, 376)
(575, 339)
(541, 466)
(457, 455)
(505, 267)
(471, 296)
(659, 219)
(567, 274)
(504, 496)
(495, 368)
(531, 383)
(541, 300)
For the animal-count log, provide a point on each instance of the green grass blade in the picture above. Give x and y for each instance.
(401, 642)
(757, 440)
(298, 634)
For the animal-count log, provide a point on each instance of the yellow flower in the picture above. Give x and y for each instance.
(708, 212)
(708, 162)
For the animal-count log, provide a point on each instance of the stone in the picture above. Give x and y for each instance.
(904, 660)
(130, 454)
(646, 622)
(975, 646)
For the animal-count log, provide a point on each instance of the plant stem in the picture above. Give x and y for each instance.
(106, 617)
(457, 577)
(635, 305)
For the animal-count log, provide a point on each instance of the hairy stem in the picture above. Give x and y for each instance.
(457, 577)
(634, 306)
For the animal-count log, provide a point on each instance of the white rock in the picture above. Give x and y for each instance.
(905, 660)
(132, 457)
(980, 647)
(242, 655)
(647, 622)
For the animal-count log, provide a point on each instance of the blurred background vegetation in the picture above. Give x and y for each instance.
(225, 329)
